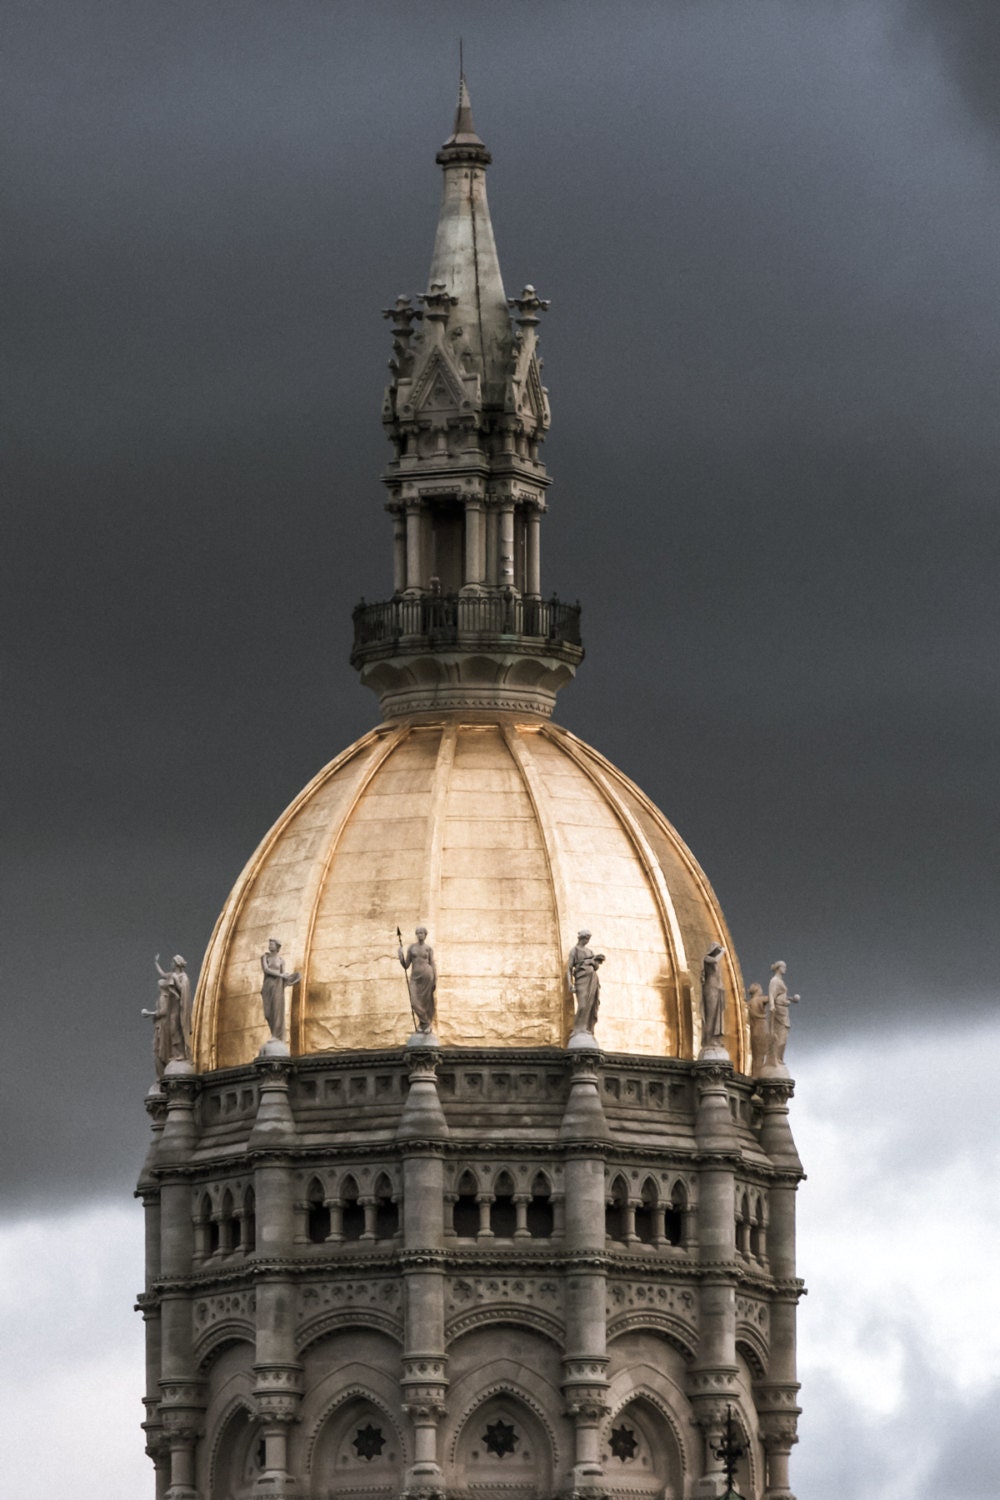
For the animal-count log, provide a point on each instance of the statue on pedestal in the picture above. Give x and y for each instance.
(759, 1011)
(584, 984)
(421, 979)
(779, 1000)
(172, 1016)
(713, 998)
(272, 991)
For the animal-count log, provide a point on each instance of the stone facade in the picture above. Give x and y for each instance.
(480, 1272)
(491, 1275)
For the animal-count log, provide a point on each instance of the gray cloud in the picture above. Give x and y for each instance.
(770, 245)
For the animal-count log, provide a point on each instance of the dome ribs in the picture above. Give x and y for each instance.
(300, 997)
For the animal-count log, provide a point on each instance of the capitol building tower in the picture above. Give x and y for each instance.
(501, 1207)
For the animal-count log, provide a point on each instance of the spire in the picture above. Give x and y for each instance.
(463, 138)
(464, 264)
(466, 413)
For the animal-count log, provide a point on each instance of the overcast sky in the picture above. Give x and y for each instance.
(769, 236)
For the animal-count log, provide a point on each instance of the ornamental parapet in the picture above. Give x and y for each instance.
(467, 620)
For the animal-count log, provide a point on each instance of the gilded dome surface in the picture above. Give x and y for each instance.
(504, 837)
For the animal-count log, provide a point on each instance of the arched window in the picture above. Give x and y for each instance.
(249, 1222)
(616, 1212)
(645, 1214)
(211, 1225)
(386, 1211)
(466, 1212)
(318, 1213)
(353, 1213)
(743, 1225)
(673, 1219)
(503, 1213)
(539, 1216)
(229, 1237)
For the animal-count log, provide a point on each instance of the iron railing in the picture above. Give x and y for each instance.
(444, 618)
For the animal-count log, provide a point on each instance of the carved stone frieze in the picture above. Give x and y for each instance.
(211, 1310)
(627, 1295)
(755, 1311)
(465, 1292)
(378, 1292)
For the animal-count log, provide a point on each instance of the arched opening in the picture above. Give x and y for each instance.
(358, 1453)
(465, 1215)
(640, 1453)
(352, 1211)
(673, 1219)
(645, 1213)
(230, 1228)
(540, 1216)
(616, 1212)
(317, 1213)
(386, 1211)
(503, 1453)
(211, 1226)
(239, 1456)
(503, 1212)
(249, 1221)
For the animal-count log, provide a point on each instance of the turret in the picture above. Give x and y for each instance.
(466, 413)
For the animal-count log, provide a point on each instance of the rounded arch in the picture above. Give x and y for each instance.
(753, 1349)
(220, 1337)
(652, 1320)
(345, 1317)
(531, 1318)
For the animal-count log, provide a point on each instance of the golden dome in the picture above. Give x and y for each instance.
(503, 836)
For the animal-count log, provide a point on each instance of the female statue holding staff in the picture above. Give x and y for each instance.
(421, 979)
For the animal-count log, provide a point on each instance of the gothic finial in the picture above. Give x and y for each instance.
(464, 144)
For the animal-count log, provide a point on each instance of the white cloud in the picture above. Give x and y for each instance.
(898, 1228)
(73, 1371)
(899, 1335)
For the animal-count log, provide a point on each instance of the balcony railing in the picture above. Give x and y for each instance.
(446, 618)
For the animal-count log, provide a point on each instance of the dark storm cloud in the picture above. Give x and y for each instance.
(772, 355)
(966, 34)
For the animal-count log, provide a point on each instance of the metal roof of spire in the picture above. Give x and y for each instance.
(464, 144)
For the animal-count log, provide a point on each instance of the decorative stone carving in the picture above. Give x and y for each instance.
(421, 979)
(272, 990)
(584, 984)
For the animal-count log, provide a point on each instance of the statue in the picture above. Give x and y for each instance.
(779, 1000)
(759, 1011)
(272, 991)
(584, 984)
(421, 979)
(713, 998)
(161, 1027)
(175, 1023)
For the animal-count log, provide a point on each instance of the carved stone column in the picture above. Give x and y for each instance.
(421, 1135)
(278, 1374)
(777, 1395)
(148, 1187)
(398, 549)
(475, 549)
(533, 549)
(584, 1135)
(181, 1396)
(414, 546)
(506, 558)
(712, 1381)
